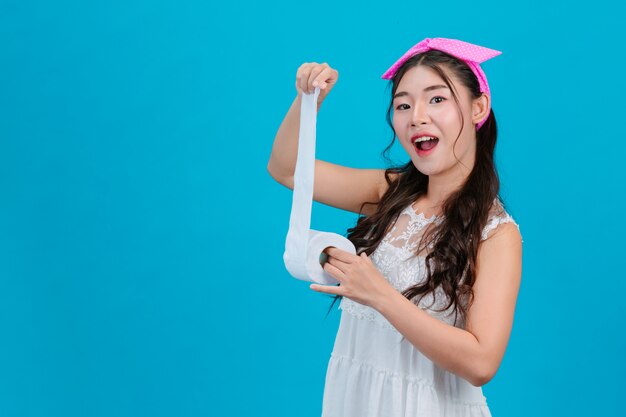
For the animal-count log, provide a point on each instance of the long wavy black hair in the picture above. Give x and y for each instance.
(451, 262)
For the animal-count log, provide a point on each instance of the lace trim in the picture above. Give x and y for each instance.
(371, 315)
(419, 221)
(363, 312)
(420, 218)
(405, 243)
(495, 222)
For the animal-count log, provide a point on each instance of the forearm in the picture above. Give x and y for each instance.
(284, 154)
(451, 348)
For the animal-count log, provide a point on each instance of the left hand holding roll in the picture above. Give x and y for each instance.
(358, 277)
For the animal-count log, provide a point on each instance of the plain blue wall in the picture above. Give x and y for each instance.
(141, 237)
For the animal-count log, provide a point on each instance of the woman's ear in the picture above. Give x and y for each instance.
(481, 108)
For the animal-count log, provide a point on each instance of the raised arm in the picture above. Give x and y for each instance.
(334, 185)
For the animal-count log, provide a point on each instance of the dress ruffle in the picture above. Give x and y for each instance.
(369, 391)
(372, 392)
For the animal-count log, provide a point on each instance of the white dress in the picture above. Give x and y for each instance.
(373, 370)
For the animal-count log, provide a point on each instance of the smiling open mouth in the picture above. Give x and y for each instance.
(425, 144)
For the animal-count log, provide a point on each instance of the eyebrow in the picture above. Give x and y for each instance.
(432, 87)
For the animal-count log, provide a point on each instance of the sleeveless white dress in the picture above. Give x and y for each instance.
(373, 370)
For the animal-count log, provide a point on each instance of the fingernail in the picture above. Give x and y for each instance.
(314, 83)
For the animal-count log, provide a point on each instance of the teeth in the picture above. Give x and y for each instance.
(424, 139)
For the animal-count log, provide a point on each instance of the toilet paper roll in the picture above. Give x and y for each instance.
(304, 247)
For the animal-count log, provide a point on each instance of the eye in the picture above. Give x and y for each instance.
(399, 107)
(442, 99)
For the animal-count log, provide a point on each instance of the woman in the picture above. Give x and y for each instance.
(430, 297)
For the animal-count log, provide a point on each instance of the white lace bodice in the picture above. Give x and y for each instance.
(396, 260)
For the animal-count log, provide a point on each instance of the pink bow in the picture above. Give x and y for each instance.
(471, 54)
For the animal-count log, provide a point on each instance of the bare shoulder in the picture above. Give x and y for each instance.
(504, 233)
(502, 246)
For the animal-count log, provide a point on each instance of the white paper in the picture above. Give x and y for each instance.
(304, 247)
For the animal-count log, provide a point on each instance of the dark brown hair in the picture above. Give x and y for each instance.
(451, 263)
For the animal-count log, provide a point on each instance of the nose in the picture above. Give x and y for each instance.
(419, 115)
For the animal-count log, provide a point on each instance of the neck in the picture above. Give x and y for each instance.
(442, 185)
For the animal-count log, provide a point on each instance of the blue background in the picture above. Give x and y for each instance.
(141, 236)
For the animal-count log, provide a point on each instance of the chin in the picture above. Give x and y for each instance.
(426, 169)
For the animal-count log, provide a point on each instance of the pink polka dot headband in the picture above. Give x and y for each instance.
(469, 53)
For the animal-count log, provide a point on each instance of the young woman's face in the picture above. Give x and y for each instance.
(423, 104)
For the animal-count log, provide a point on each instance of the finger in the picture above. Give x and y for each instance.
(299, 77)
(320, 80)
(327, 289)
(337, 263)
(302, 76)
(340, 254)
(304, 79)
(365, 257)
(315, 72)
(334, 271)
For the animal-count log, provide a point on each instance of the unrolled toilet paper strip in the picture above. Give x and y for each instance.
(303, 246)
